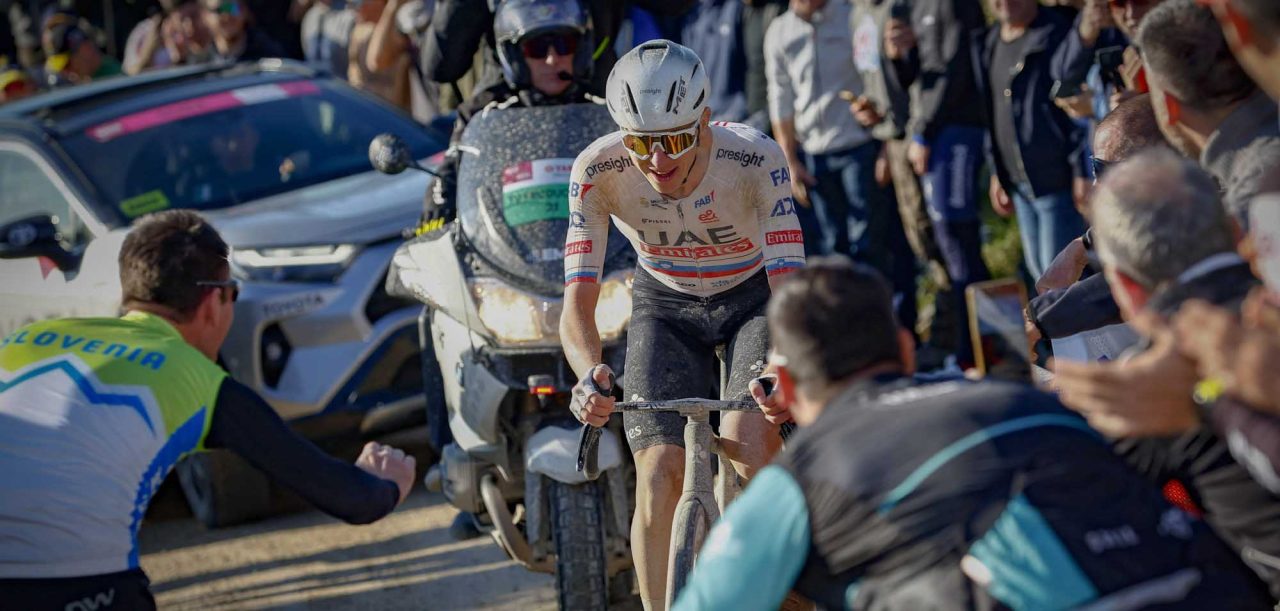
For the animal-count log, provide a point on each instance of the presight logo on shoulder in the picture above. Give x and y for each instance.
(744, 158)
(780, 176)
(616, 164)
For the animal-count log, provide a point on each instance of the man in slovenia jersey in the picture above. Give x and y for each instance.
(94, 412)
(951, 495)
(708, 209)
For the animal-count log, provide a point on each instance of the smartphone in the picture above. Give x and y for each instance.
(1109, 60)
(1264, 229)
(1001, 347)
(1062, 90)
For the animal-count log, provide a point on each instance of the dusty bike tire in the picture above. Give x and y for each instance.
(686, 541)
(577, 518)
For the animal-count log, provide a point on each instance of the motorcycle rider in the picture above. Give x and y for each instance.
(544, 49)
(708, 209)
(952, 495)
(94, 412)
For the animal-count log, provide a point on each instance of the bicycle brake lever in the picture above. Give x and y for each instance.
(589, 439)
(589, 452)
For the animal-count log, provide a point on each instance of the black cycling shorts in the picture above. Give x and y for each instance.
(123, 591)
(671, 350)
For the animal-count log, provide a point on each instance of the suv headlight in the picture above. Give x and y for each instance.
(514, 316)
(323, 263)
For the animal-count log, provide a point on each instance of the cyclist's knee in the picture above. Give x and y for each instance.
(749, 440)
(660, 473)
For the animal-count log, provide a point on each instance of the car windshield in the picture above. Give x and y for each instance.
(219, 150)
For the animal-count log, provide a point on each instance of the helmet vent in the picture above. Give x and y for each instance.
(671, 96)
(631, 99)
(701, 96)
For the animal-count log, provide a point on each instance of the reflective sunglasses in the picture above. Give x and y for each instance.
(538, 46)
(674, 144)
(232, 284)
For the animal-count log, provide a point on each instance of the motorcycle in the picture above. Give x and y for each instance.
(492, 285)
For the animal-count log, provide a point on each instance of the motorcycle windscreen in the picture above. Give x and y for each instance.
(513, 188)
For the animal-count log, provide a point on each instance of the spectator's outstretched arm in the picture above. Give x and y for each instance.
(457, 29)
(243, 423)
(1083, 306)
(387, 44)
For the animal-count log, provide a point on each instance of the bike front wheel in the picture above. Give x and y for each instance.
(692, 522)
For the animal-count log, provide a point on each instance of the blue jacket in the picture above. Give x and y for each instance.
(1052, 146)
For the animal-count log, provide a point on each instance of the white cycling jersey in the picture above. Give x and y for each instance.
(739, 219)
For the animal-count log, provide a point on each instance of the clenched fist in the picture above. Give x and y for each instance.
(388, 463)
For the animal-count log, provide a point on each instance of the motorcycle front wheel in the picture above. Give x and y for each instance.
(577, 514)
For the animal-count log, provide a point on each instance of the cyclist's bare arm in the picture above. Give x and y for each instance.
(578, 331)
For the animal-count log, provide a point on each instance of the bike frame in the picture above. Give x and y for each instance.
(698, 508)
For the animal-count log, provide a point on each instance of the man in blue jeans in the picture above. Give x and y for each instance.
(929, 49)
(1037, 150)
(809, 64)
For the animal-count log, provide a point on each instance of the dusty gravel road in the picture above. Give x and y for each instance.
(311, 561)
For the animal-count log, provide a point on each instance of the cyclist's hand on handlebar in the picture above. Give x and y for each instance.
(767, 398)
(388, 463)
(592, 402)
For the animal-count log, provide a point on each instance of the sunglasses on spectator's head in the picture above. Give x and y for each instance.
(233, 285)
(538, 46)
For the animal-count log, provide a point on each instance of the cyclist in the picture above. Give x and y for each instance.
(953, 495)
(708, 209)
(94, 412)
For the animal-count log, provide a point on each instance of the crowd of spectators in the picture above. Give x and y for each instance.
(1137, 142)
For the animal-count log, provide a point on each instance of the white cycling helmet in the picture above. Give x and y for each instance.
(657, 86)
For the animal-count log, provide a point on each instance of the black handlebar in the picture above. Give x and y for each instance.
(589, 440)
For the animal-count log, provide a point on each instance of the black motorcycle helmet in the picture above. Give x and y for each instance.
(515, 21)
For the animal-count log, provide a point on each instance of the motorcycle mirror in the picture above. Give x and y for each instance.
(390, 155)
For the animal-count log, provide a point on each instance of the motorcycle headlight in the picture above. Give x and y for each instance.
(322, 263)
(613, 310)
(515, 316)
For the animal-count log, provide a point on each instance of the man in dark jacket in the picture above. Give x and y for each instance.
(1036, 149)
(1002, 499)
(1164, 238)
(459, 25)
(883, 109)
(931, 53)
